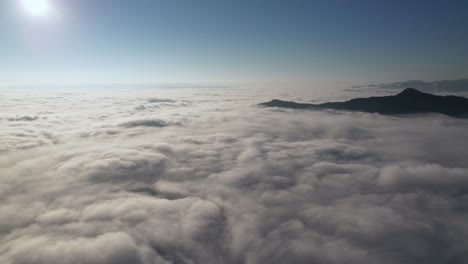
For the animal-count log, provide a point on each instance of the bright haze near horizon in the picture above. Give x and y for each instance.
(131, 132)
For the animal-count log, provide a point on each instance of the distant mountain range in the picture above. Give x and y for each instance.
(410, 101)
(460, 85)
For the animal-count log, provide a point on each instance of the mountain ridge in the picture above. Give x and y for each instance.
(409, 101)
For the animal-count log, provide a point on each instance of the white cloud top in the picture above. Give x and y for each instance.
(204, 176)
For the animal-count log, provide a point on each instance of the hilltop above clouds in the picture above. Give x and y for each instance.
(409, 101)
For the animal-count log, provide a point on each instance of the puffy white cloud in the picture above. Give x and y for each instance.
(427, 177)
(107, 248)
(97, 179)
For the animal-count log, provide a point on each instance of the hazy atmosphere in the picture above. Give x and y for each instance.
(145, 132)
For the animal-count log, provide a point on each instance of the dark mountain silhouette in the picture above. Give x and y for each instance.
(410, 101)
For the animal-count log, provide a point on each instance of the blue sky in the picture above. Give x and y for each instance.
(221, 41)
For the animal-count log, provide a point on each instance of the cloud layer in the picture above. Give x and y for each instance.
(203, 176)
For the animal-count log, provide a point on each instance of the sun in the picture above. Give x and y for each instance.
(38, 8)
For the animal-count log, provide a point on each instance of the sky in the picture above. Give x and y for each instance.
(222, 42)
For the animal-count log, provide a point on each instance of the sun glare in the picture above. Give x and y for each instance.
(39, 8)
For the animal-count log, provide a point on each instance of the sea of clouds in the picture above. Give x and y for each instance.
(206, 176)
